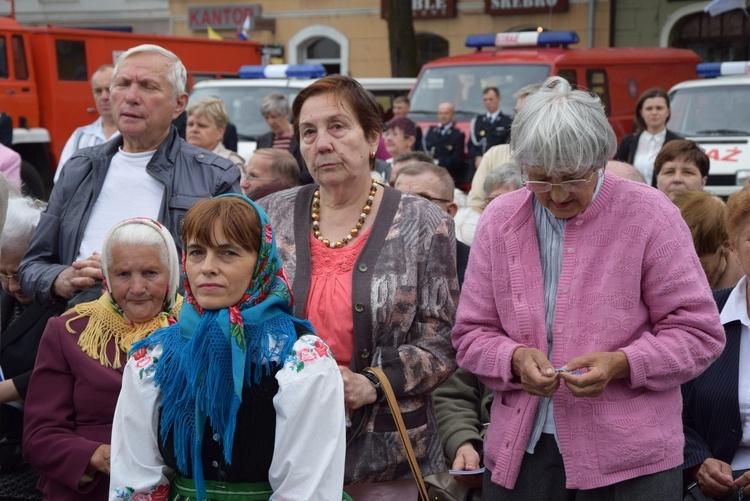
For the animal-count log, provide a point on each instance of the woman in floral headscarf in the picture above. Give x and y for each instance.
(73, 391)
(238, 400)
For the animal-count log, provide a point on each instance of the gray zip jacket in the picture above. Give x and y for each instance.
(188, 173)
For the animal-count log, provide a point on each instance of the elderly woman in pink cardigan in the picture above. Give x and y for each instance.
(584, 307)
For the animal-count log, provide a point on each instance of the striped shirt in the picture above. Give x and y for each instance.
(282, 142)
(550, 232)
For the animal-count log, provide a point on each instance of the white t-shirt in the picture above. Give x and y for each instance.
(128, 191)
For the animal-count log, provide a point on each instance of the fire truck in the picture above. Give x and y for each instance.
(45, 74)
(514, 60)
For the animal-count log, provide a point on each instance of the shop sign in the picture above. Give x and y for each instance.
(511, 7)
(426, 9)
(227, 17)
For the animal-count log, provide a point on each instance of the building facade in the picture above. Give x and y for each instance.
(682, 24)
(351, 36)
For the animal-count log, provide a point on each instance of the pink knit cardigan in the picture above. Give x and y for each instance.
(630, 281)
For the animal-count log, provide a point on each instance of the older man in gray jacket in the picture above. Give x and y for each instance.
(148, 172)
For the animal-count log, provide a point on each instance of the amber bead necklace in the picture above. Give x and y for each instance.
(354, 231)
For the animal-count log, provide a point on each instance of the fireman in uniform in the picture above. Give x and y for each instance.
(445, 143)
(490, 129)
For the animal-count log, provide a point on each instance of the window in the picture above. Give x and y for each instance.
(462, 86)
(319, 44)
(430, 47)
(326, 52)
(570, 76)
(597, 83)
(71, 60)
(3, 59)
(718, 38)
(19, 57)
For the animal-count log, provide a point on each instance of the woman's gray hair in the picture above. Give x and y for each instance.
(563, 131)
(503, 175)
(20, 223)
(136, 235)
(275, 102)
(176, 75)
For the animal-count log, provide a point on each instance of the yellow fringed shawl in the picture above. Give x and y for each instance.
(106, 323)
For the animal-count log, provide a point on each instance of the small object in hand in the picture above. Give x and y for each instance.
(575, 373)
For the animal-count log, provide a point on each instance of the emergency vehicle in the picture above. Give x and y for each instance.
(715, 113)
(45, 75)
(617, 75)
(242, 96)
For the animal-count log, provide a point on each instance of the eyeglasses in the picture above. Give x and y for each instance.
(572, 186)
(433, 199)
(8, 278)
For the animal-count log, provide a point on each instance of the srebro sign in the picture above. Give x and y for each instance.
(507, 7)
(227, 17)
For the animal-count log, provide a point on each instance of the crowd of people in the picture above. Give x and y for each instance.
(182, 323)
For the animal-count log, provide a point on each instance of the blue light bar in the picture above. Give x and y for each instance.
(713, 70)
(283, 71)
(522, 39)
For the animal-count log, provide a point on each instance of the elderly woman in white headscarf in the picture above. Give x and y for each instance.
(584, 307)
(73, 391)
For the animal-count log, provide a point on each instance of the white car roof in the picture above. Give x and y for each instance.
(295, 83)
(713, 82)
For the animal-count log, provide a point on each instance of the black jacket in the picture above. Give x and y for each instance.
(20, 340)
(447, 149)
(485, 134)
(629, 145)
(711, 409)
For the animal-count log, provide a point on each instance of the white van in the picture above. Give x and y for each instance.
(715, 113)
(242, 96)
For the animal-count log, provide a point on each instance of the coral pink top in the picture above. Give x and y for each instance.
(329, 302)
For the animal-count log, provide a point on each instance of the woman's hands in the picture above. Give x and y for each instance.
(358, 390)
(99, 462)
(601, 368)
(467, 459)
(538, 376)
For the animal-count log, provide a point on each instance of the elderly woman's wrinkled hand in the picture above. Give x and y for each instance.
(358, 390)
(714, 478)
(601, 368)
(536, 372)
(100, 460)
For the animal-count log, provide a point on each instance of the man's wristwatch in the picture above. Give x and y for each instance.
(376, 383)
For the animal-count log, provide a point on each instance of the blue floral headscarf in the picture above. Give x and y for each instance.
(208, 355)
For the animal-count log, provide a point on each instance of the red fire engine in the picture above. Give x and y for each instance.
(45, 74)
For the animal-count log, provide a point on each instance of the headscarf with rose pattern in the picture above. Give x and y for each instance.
(208, 355)
(105, 317)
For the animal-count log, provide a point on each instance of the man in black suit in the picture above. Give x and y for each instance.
(445, 143)
(489, 129)
(433, 183)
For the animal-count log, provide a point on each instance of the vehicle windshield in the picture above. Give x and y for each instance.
(711, 111)
(243, 106)
(463, 85)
